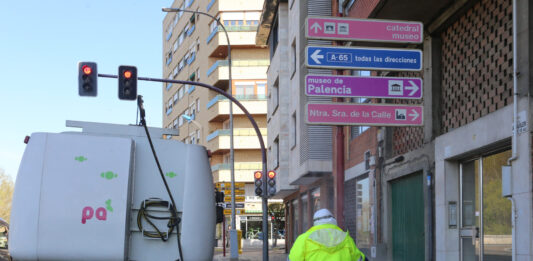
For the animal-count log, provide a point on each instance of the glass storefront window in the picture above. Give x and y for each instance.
(315, 200)
(305, 215)
(294, 219)
(363, 215)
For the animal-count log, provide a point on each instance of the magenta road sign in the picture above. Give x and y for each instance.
(364, 114)
(364, 30)
(372, 87)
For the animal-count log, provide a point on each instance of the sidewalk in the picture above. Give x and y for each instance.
(253, 254)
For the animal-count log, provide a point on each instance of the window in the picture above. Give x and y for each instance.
(293, 130)
(273, 39)
(181, 92)
(180, 119)
(198, 104)
(274, 97)
(261, 90)
(275, 153)
(181, 38)
(175, 97)
(176, 45)
(293, 58)
(175, 123)
(181, 64)
(181, 7)
(169, 57)
(244, 89)
(367, 160)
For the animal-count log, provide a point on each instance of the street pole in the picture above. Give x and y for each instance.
(234, 252)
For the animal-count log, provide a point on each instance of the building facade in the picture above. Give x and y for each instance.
(439, 188)
(434, 192)
(300, 153)
(195, 49)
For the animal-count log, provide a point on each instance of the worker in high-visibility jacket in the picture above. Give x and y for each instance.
(325, 241)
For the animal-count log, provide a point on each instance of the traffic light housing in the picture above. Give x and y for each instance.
(219, 198)
(271, 183)
(258, 175)
(127, 82)
(87, 79)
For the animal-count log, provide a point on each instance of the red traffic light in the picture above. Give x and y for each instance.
(258, 174)
(87, 69)
(127, 74)
(271, 174)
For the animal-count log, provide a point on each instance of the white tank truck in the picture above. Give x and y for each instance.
(97, 195)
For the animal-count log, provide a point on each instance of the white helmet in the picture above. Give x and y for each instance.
(323, 216)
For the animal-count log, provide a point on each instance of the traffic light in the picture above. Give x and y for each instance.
(219, 198)
(271, 183)
(87, 79)
(127, 82)
(258, 183)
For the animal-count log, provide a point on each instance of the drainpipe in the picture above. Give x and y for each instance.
(515, 121)
(515, 88)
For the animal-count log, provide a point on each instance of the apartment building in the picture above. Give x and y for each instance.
(195, 49)
(300, 153)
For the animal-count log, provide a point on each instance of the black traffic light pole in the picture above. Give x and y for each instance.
(257, 131)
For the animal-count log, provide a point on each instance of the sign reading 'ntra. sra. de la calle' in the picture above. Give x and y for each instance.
(363, 58)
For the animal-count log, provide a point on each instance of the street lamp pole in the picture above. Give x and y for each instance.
(234, 253)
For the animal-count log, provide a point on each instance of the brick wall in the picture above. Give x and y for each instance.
(405, 139)
(362, 8)
(477, 63)
(357, 147)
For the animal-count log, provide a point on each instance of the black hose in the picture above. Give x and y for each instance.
(174, 210)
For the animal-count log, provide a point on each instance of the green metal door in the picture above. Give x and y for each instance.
(407, 200)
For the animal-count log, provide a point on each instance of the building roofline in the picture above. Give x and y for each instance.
(267, 18)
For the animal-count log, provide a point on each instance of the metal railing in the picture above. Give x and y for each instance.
(238, 63)
(232, 28)
(236, 132)
(250, 97)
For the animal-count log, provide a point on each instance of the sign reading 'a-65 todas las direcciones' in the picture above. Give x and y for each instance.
(364, 58)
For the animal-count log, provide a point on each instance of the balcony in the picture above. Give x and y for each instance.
(241, 69)
(243, 138)
(216, 6)
(243, 171)
(239, 35)
(218, 107)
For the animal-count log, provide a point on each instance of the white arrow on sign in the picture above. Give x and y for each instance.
(413, 88)
(315, 26)
(414, 115)
(315, 56)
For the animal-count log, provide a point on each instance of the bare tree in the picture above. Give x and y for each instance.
(6, 194)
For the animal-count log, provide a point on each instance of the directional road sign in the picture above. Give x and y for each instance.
(237, 192)
(364, 58)
(354, 86)
(237, 210)
(227, 185)
(237, 198)
(237, 205)
(364, 114)
(333, 28)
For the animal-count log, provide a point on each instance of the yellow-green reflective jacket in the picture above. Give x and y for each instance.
(325, 242)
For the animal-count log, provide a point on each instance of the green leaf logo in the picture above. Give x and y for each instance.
(108, 175)
(108, 205)
(80, 158)
(171, 174)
